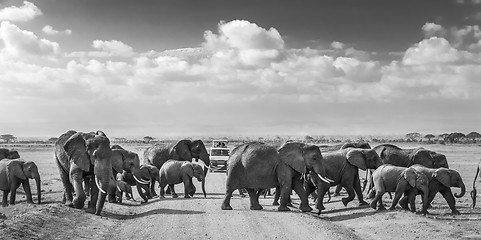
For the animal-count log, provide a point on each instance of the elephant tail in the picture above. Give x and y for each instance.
(473, 192)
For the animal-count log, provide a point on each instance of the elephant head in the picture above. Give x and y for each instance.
(450, 178)
(303, 158)
(23, 170)
(196, 171)
(88, 150)
(363, 145)
(123, 160)
(417, 180)
(363, 158)
(8, 154)
(185, 150)
(428, 158)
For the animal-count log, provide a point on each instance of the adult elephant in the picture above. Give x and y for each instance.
(474, 192)
(401, 157)
(8, 154)
(363, 145)
(257, 165)
(80, 155)
(16, 172)
(342, 166)
(183, 150)
(441, 180)
(124, 161)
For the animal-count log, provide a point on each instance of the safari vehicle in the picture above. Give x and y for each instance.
(219, 153)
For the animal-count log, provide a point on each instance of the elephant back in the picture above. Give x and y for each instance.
(156, 155)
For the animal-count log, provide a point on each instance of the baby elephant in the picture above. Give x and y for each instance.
(390, 178)
(16, 172)
(119, 187)
(175, 172)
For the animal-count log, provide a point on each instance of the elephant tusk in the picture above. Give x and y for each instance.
(205, 165)
(141, 181)
(118, 188)
(326, 180)
(98, 185)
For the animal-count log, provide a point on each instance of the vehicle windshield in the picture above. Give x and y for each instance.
(221, 144)
(220, 152)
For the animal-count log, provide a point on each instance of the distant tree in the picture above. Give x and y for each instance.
(148, 139)
(414, 137)
(455, 137)
(429, 137)
(8, 138)
(308, 138)
(473, 135)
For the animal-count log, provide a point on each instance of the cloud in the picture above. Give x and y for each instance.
(106, 49)
(50, 31)
(432, 50)
(21, 43)
(433, 30)
(337, 45)
(26, 12)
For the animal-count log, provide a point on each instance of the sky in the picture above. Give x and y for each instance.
(240, 68)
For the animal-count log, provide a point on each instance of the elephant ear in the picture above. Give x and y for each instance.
(189, 169)
(410, 176)
(292, 154)
(356, 158)
(443, 176)
(15, 167)
(181, 151)
(76, 149)
(117, 158)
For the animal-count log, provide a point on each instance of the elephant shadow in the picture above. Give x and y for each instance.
(347, 216)
(117, 216)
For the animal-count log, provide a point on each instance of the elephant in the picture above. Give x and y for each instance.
(363, 145)
(174, 172)
(441, 180)
(473, 192)
(79, 155)
(397, 156)
(390, 178)
(8, 154)
(256, 165)
(128, 163)
(342, 166)
(147, 172)
(150, 172)
(119, 187)
(16, 172)
(183, 150)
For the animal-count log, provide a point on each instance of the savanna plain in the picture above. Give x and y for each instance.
(202, 218)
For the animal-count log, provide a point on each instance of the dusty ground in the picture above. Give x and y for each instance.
(202, 218)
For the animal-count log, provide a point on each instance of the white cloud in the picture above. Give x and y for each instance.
(337, 45)
(433, 29)
(432, 50)
(26, 12)
(21, 43)
(50, 31)
(113, 48)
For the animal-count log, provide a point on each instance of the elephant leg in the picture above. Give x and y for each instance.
(79, 199)
(227, 197)
(297, 186)
(358, 190)
(309, 187)
(348, 185)
(28, 192)
(172, 191)
(152, 189)
(254, 199)
(404, 202)
(337, 192)
(94, 196)
(426, 205)
(321, 192)
(5, 198)
(285, 196)
(412, 199)
(397, 196)
(187, 186)
(162, 187)
(68, 188)
(378, 199)
(277, 195)
(448, 196)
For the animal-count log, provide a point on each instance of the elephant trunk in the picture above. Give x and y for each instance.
(463, 191)
(138, 177)
(39, 190)
(103, 185)
(203, 181)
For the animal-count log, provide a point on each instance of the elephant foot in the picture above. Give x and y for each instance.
(305, 208)
(363, 203)
(275, 203)
(345, 201)
(78, 204)
(283, 209)
(381, 208)
(256, 207)
(30, 201)
(90, 210)
(226, 207)
(175, 196)
(455, 212)
(373, 205)
(68, 203)
(187, 196)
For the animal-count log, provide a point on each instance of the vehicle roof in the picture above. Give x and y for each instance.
(219, 148)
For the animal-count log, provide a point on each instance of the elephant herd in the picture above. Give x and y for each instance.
(89, 166)
(304, 169)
